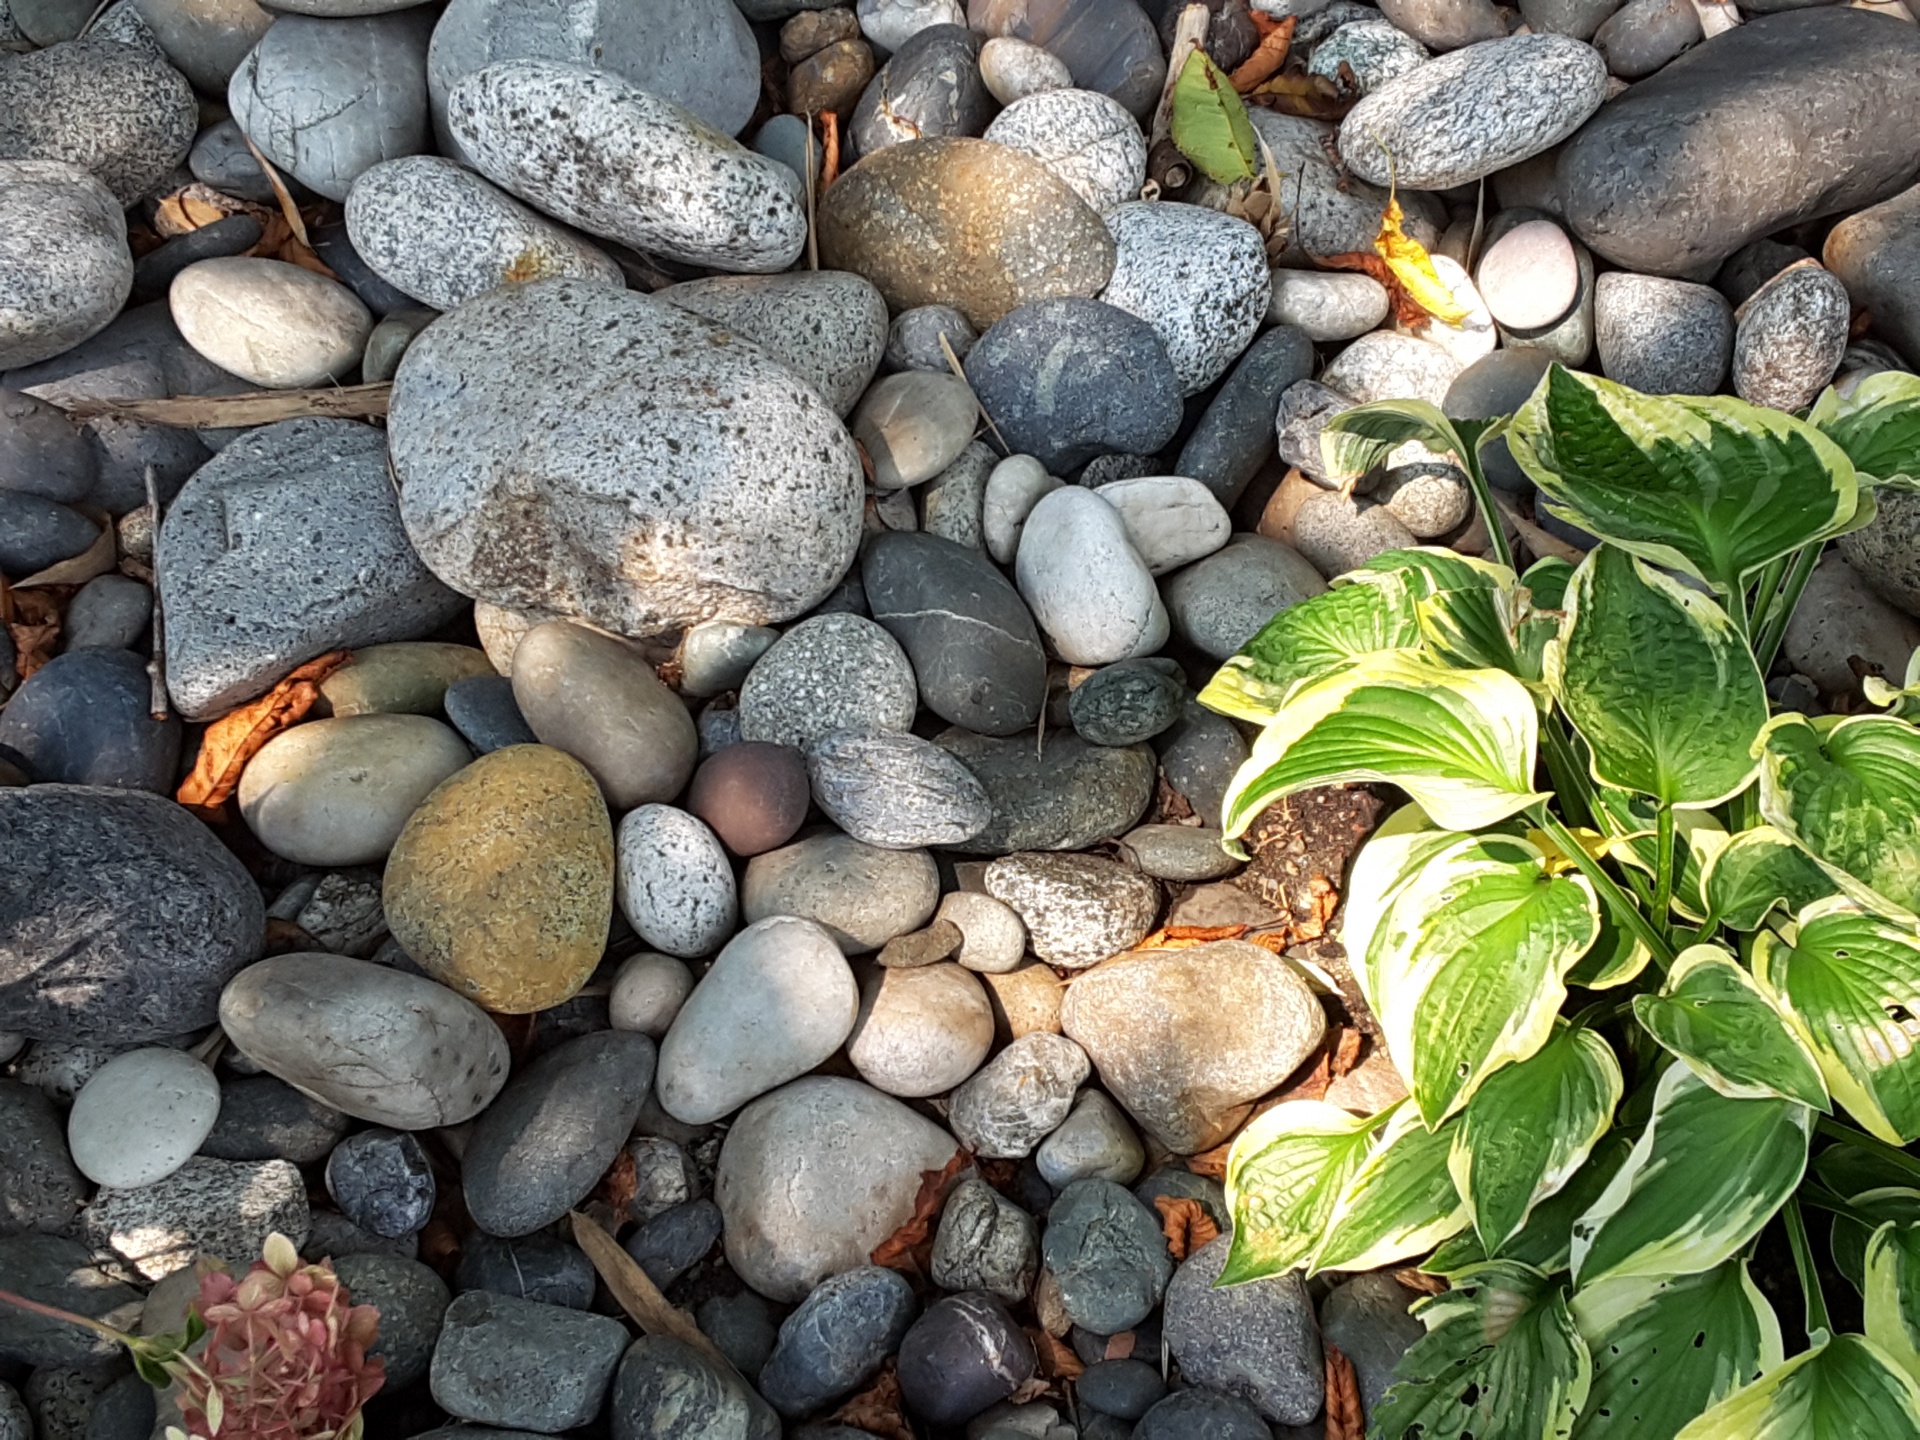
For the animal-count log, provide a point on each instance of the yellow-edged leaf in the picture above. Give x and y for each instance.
(1413, 267)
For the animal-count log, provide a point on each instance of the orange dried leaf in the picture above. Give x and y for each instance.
(1268, 57)
(621, 1183)
(1421, 1282)
(1345, 1420)
(1120, 1347)
(878, 1409)
(910, 1248)
(1211, 1163)
(1312, 1082)
(1186, 1224)
(1205, 933)
(1057, 1360)
(830, 143)
(36, 618)
(1413, 268)
(1346, 1054)
(1313, 96)
(234, 739)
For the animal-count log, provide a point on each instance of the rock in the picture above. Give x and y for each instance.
(1256, 1341)
(388, 342)
(503, 1361)
(40, 1188)
(1798, 77)
(1089, 590)
(1660, 336)
(482, 709)
(985, 1242)
(663, 1177)
(913, 339)
(120, 915)
(1126, 703)
(1332, 212)
(1199, 277)
(406, 678)
(57, 1271)
(220, 158)
(1644, 35)
(204, 42)
(501, 884)
(964, 1354)
(813, 1176)
(1062, 794)
(674, 1241)
(1078, 909)
(812, 31)
(1107, 1255)
(382, 1182)
(837, 1339)
(1885, 553)
(1089, 140)
(118, 112)
(1386, 366)
(1445, 26)
(1373, 51)
(1170, 520)
(753, 795)
(412, 1301)
(992, 937)
(326, 100)
(1110, 47)
(1181, 853)
(1366, 1319)
(1528, 277)
(47, 203)
(913, 425)
(264, 1118)
(1337, 534)
(334, 1235)
(833, 672)
(41, 453)
(382, 1045)
(1498, 385)
(1199, 1411)
(674, 882)
(155, 271)
(1789, 338)
(84, 718)
(1838, 622)
(966, 223)
(1874, 254)
(626, 165)
(110, 613)
(141, 1117)
(1304, 410)
(1200, 755)
(1094, 1142)
(1235, 436)
(38, 533)
(920, 1031)
(930, 89)
(1019, 1097)
(1014, 70)
(716, 655)
(1220, 603)
(221, 1208)
(1578, 18)
(270, 323)
(889, 24)
(664, 1384)
(744, 1326)
(1013, 488)
(536, 1267)
(56, 1069)
(1187, 1040)
(1431, 498)
(1327, 306)
(828, 326)
(896, 791)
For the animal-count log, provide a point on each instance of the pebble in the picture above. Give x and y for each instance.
(511, 1362)
(1199, 277)
(1661, 336)
(1235, 436)
(665, 1384)
(1088, 139)
(830, 673)
(1191, 1414)
(1187, 1040)
(538, 1267)
(1125, 703)
(674, 1241)
(752, 794)
(1570, 339)
(1184, 854)
(84, 718)
(967, 223)
(1386, 366)
(1872, 253)
(1125, 1389)
(1431, 498)
(828, 326)
(920, 1031)
(1327, 306)
(1336, 533)
(913, 339)
(1062, 794)
(41, 453)
(1078, 909)
(1495, 386)
(119, 112)
(58, 1271)
(985, 1242)
(1200, 756)
(124, 916)
(830, 80)
(1304, 410)
(1170, 520)
(51, 203)
(965, 1353)
(716, 655)
(1013, 488)
(1220, 603)
(1789, 338)
(382, 1182)
(389, 340)
(816, 1174)
(141, 1117)
(812, 31)
(663, 1177)
(38, 533)
(1018, 1097)
(626, 165)
(154, 272)
(222, 1208)
(58, 1068)
(744, 1326)
(405, 678)
(929, 89)
(501, 884)
(482, 709)
(1014, 69)
(412, 1301)
(1090, 592)
(1366, 1319)
(1884, 552)
(788, 142)
(835, 1342)
(896, 791)
(264, 1118)
(1256, 1341)
(381, 1045)
(40, 1187)
(220, 158)
(674, 882)
(889, 24)
(1837, 619)
(913, 426)
(1644, 35)
(1107, 1255)
(992, 937)
(1528, 277)
(1094, 1142)
(1333, 212)
(1372, 50)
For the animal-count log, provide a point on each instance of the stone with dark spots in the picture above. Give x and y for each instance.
(117, 111)
(40, 1189)
(1060, 794)
(1789, 338)
(1257, 1341)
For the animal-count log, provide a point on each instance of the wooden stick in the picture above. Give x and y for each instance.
(639, 1296)
(157, 664)
(1189, 37)
(258, 407)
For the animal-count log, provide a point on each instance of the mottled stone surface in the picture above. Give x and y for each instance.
(1661, 336)
(1108, 1255)
(1333, 212)
(225, 1208)
(40, 1189)
(58, 1271)
(1199, 277)
(929, 89)
(920, 1031)
(1385, 366)
(118, 112)
(1086, 138)
(1876, 254)
(837, 1339)
(1078, 909)
(896, 791)
(1789, 337)
(1256, 1341)
(64, 264)
(862, 894)
(1886, 553)
(833, 672)
(985, 1242)
(828, 326)
(506, 1361)
(1373, 50)
(1013, 1101)
(1062, 794)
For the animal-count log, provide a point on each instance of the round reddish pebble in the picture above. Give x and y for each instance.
(753, 794)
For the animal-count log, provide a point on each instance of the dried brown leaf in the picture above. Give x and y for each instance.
(1345, 1419)
(830, 146)
(1211, 1163)
(1346, 1053)
(1186, 1224)
(1312, 1082)
(1419, 1280)
(910, 1248)
(1120, 1347)
(235, 738)
(97, 559)
(1313, 96)
(35, 627)
(621, 1182)
(1268, 58)
(1056, 1357)
(878, 1409)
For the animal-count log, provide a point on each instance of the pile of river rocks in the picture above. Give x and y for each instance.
(775, 610)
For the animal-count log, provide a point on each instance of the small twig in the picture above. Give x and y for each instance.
(813, 234)
(1190, 36)
(960, 374)
(157, 664)
(259, 407)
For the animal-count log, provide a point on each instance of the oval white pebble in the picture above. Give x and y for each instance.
(648, 992)
(141, 1117)
(675, 881)
(270, 322)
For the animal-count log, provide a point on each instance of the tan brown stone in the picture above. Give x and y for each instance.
(831, 80)
(1026, 1001)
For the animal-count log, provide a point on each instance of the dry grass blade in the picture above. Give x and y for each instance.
(960, 374)
(638, 1295)
(97, 559)
(1345, 1419)
(287, 207)
(258, 407)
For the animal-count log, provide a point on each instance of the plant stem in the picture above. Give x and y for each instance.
(1737, 604)
(1781, 612)
(1569, 777)
(1663, 869)
(1826, 1125)
(1489, 515)
(1766, 589)
(1818, 1325)
(53, 1312)
(1625, 913)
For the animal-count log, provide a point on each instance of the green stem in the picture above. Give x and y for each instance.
(53, 1312)
(1483, 497)
(1625, 913)
(1737, 604)
(1781, 612)
(1818, 1325)
(1826, 1125)
(1569, 776)
(1766, 590)
(1663, 869)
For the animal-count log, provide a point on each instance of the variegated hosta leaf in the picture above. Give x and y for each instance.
(1696, 836)
(1546, 1241)
(1467, 969)
(1308, 641)
(1851, 1233)
(1712, 1015)
(1285, 1173)
(1851, 981)
(1666, 1347)
(1708, 484)
(1658, 682)
(1844, 1388)
(1529, 1127)
(1401, 1202)
(1431, 570)
(1893, 1293)
(1757, 870)
(1460, 742)
(1851, 797)
(1501, 1360)
(1616, 958)
(1390, 860)
(1547, 580)
(1704, 1176)
(1357, 440)
(1903, 702)
(1878, 425)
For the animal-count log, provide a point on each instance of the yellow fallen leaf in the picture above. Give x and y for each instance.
(1596, 845)
(1413, 267)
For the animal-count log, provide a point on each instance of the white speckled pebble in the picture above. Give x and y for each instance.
(1386, 366)
(64, 265)
(1198, 277)
(827, 326)
(994, 937)
(1088, 139)
(833, 672)
(675, 881)
(141, 1117)
(270, 322)
(1372, 49)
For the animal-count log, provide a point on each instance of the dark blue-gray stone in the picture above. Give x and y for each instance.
(931, 87)
(482, 709)
(1493, 386)
(551, 1133)
(1200, 754)
(58, 1272)
(1058, 794)
(516, 1363)
(1201, 1415)
(331, 244)
(675, 1240)
(220, 158)
(913, 339)
(1180, 1183)
(745, 1327)
(153, 272)
(1070, 378)
(970, 637)
(1108, 1254)
(40, 1189)
(264, 1118)
(41, 451)
(1367, 1320)
(1257, 1341)
(125, 1411)
(1123, 1388)
(36, 532)
(1126, 702)
(540, 1267)
(382, 1182)
(667, 1388)
(84, 718)
(111, 612)
(412, 1301)
(837, 1339)
(1235, 436)
(964, 1354)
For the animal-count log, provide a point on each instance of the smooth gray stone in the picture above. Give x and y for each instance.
(1107, 45)
(1235, 435)
(389, 341)
(1061, 794)
(913, 339)
(483, 710)
(111, 612)
(1017, 1098)
(1643, 35)
(1108, 1254)
(675, 1240)
(1578, 18)
(122, 114)
(124, 1411)
(666, 1387)
(1200, 755)
(1304, 410)
(58, 1271)
(985, 1242)
(1445, 24)
(540, 1266)
(1496, 385)
(1366, 1319)
(264, 1118)
(42, 452)
(837, 1339)
(1196, 1413)
(334, 245)
(896, 791)
(1125, 1389)
(1799, 79)
(220, 158)
(154, 271)
(745, 1326)
(412, 1301)
(1661, 336)
(48, 22)
(36, 533)
(205, 39)
(1876, 254)
(503, 1361)
(1258, 1341)
(930, 88)
(85, 718)
(1219, 603)
(40, 1189)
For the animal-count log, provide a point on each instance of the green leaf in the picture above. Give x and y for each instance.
(1466, 971)
(1358, 440)
(1529, 1127)
(1398, 1204)
(1546, 1241)
(1501, 1360)
(1704, 1176)
(1851, 1234)
(1844, 1388)
(1757, 870)
(1308, 641)
(1460, 742)
(1616, 958)
(1710, 484)
(1711, 1015)
(1878, 425)
(1431, 569)
(1892, 1293)
(1697, 835)
(1851, 798)
(1665, 1347)
(1285, 1173)
(1548, 579)
(1210, 124)
(1658, 682)
(1390, 860)
(1850, 982)
(1903, 703)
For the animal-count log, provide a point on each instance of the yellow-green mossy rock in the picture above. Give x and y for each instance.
(501, 884)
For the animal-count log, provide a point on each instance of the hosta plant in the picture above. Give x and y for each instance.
(1645, 954)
